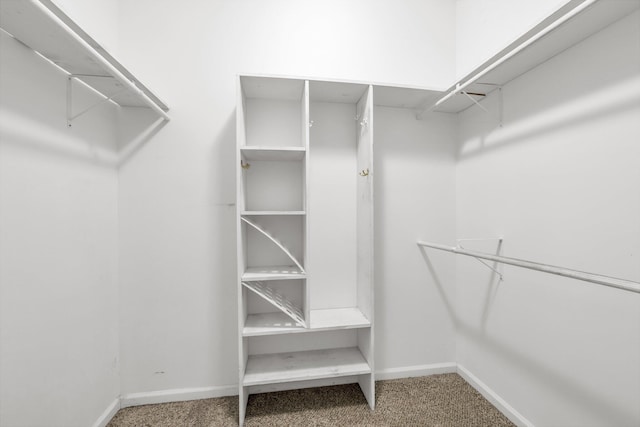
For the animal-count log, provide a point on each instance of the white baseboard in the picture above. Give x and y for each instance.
(508, 411)
(179, 395)
(415, 371)
(109, 413)
(176, 395)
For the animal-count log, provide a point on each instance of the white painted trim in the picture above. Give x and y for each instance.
(184, 394)
(109, 413)
(416, 371)
(177, 395)
(508, 411)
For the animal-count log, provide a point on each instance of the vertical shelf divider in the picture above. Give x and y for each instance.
(243, 353)
(306, 123)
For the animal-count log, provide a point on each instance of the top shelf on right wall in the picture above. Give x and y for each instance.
(572, 23)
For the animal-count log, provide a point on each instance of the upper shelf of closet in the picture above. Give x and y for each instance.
(572, 23)
(46, 29)
(334, 91)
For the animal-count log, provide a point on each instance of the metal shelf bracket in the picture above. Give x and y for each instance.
(499, 239)
(70, 116)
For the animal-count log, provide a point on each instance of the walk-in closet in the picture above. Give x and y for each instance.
(284, 212)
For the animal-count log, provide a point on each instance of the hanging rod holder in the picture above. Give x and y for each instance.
(495, 270)
(468, 95)
(627, 285)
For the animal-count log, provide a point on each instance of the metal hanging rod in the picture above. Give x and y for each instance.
(627, 285)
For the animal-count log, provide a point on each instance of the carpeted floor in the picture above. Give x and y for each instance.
(437, 400)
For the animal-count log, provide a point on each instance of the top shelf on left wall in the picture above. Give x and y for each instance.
(46, 29)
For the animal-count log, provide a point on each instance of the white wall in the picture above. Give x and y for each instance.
(484, 27)
(177, 213)
(414, 199)
(58, 259)
(561, 183)
(98, 17)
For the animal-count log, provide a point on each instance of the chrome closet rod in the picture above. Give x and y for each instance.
(627, 285)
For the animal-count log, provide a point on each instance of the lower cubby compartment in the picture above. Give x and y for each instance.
(275, 298)
(304, 357)
(304, 365)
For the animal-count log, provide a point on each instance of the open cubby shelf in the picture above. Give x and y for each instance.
(304, 365)
(319, 321)
(275, 242)
(272, 153)
(276, 299)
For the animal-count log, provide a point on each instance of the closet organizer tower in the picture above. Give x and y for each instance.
(305, 235)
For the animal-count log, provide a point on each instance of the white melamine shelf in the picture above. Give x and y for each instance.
(338, 318)
(276, 272)
(274, 213)
(320, 320)
(272, 153)
(572, 23)
(45, 28)
(270, 324)
(304, 365)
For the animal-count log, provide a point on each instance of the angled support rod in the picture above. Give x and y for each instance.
(627, 285)
(495, 270)
(474, 101)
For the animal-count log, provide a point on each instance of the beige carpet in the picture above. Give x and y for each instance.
(438, 400)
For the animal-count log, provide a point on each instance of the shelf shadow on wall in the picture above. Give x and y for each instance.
(137, 126)
(73, 144)
(627, 97)
(538, 371)
(28, 132)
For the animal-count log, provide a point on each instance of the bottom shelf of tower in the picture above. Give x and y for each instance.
(300, 369)
(304, 365)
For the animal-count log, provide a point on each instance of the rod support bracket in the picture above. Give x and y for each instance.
(70, 116)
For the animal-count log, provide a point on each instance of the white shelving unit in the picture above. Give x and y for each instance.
(320, 321)
(46, 29)
(304, 148)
